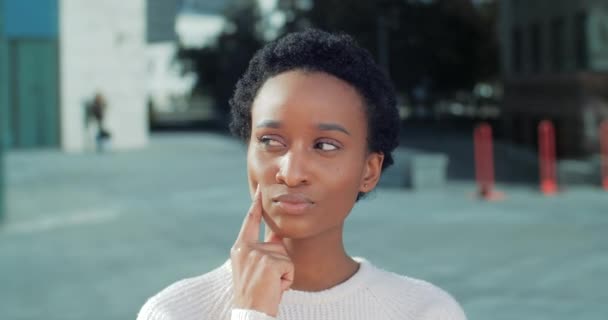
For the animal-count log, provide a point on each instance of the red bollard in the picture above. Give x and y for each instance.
(604, 151)
(484, 162)
(546, 157)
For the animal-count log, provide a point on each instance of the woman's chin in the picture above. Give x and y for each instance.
(287, 228)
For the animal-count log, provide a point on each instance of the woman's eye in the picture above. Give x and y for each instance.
(326, 146)
(269, 142)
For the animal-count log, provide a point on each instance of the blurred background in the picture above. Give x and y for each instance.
(118, 175)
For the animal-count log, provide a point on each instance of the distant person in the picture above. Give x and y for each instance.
(98, 110)
(320, 121)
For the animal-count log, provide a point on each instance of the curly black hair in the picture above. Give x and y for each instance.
(338, 55)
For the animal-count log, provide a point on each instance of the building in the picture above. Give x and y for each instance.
(555, 66)
(55, 55)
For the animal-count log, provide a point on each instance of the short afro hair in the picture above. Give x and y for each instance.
(338, 55)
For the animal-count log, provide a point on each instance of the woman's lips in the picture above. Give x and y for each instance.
(294, 204)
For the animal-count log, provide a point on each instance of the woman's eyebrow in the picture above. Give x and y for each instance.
(332, 126)
(321, 126)
(268, 124)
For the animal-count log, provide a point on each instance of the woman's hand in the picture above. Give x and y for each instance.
(261, 271)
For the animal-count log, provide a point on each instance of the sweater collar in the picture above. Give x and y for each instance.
(353, 284)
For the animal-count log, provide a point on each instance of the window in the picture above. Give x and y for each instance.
(517, 50)
(517, 7)
(580, 40)
(557, 50)
(535, 48)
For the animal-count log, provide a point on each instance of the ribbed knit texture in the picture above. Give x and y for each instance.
(371, 293)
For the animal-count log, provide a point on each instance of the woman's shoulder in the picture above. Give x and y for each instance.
(412, 295)
(209, 294)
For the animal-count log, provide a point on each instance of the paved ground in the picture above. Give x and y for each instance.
(91, 236)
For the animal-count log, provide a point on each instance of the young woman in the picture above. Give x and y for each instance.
(320, 121)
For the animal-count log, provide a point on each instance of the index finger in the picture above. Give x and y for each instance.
(250, 230)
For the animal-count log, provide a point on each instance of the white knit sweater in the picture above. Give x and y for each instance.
(371, 293)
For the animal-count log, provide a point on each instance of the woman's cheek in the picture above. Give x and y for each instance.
(252, 169)
(257, 168)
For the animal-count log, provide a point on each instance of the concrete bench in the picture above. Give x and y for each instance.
(579, 172)
(416, 170)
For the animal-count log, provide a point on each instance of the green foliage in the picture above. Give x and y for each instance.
(447, 45)
(220, 65)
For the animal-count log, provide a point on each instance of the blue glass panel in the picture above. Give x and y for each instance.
(31, 18)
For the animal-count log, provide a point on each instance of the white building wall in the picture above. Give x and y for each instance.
(102, 48)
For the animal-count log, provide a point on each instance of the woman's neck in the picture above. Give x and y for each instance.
(320, 262)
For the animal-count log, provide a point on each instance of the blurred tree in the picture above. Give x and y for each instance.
(441, 45)
(445, 44)
(220, 65)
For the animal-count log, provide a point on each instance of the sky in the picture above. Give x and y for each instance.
(199, 22)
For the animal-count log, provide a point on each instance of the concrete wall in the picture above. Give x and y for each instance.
(102, 46)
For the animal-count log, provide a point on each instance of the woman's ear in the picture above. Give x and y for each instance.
(372, 171)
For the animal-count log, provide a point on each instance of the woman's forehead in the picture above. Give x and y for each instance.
(316, 96)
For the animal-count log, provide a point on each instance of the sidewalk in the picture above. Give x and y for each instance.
(92, 236)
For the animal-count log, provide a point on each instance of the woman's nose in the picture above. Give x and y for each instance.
(293, 169)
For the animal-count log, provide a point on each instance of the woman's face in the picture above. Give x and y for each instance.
(308, 152)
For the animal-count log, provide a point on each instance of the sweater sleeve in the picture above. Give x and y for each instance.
(151, 311)
(243, 314)
(444, 308)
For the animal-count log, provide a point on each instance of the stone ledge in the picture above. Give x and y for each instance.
(416, 170)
